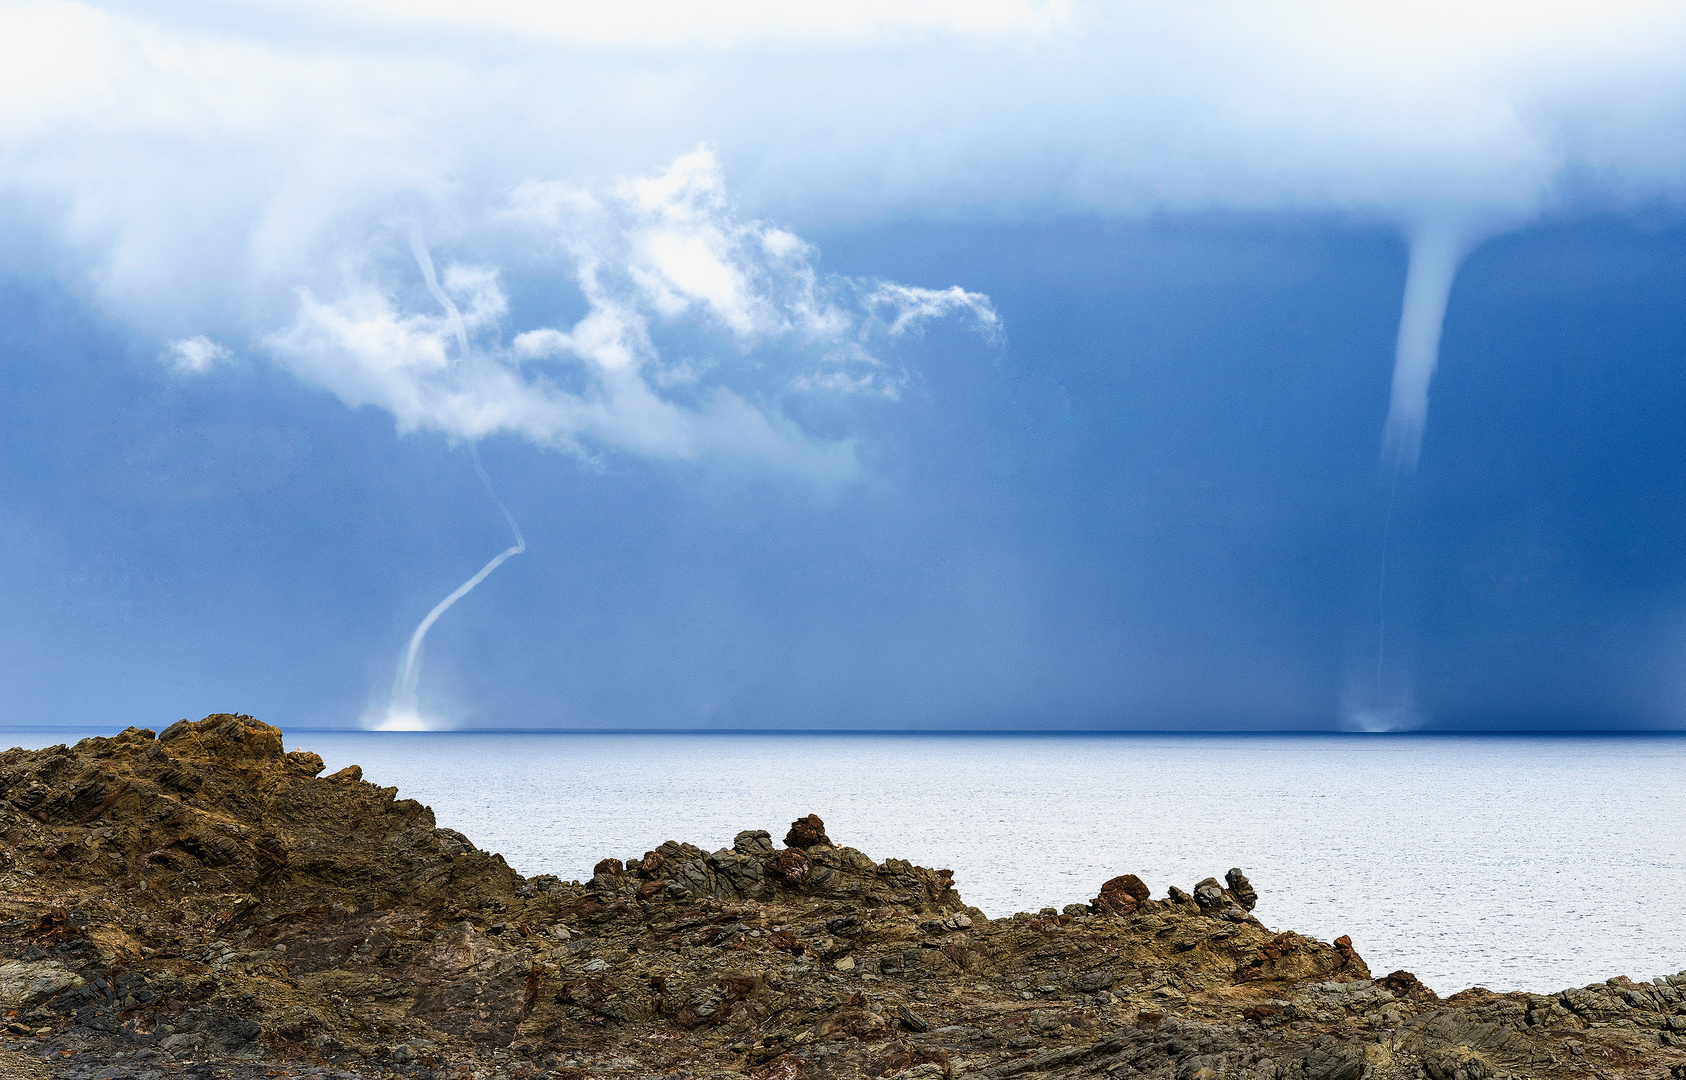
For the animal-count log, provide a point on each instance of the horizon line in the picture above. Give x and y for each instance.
(950, 732)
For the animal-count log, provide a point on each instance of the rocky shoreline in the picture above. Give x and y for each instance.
(200, 903)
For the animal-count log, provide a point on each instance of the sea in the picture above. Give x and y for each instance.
(1510, 862)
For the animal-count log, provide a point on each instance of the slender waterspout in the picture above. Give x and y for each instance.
(403, 712)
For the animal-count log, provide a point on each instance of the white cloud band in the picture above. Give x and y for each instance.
(220, 173)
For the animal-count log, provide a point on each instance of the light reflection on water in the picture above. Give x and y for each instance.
(1509, 862)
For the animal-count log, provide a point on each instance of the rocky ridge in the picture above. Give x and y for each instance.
(202, 903)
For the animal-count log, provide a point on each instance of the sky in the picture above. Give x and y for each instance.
(988, 366)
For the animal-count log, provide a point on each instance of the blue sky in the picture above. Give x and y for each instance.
(1040, 381)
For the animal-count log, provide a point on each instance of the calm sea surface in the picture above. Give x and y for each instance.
(1511, 863)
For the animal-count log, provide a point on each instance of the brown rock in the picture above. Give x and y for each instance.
(306, 762)
(907, 1057)
(807, 832)
(1348, 955)
(1403, 984)
(854, 1023)
(1121, 895)
(792, 866)
(964, 956)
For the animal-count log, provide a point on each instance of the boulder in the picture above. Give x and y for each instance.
(1403, 984)
(807, 832)
(792, 866)
(1121, 895)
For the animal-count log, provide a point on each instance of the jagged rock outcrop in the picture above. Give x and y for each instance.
(205, 896)
(1241, 889)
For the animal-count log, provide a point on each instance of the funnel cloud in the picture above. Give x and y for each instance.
(1436, 251)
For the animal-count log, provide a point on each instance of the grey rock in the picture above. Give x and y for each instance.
(25, 982)
(949, 924)
(183, 1042)
(1094, 981)
(1242, 888)
(741, 874)
(912, 1020)
(755, 843)
(695, 878)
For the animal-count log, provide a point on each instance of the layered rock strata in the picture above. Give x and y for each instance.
(202, 903)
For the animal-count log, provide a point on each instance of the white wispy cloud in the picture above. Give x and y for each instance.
(912, 306)
(196, 355)
(650, 255)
